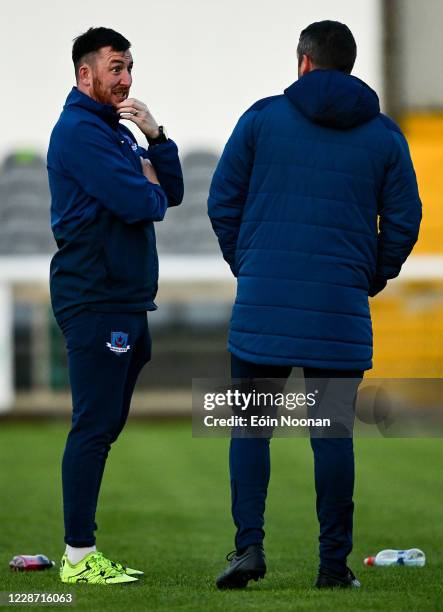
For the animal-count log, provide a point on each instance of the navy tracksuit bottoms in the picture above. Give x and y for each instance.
(106, 351)
(249, 461)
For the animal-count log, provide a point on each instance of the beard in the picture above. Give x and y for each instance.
(98, 92)
(105, 96)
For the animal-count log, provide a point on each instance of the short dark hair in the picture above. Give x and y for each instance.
(93, 40)
(329, 44)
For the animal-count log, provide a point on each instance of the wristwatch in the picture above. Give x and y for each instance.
(162, 137)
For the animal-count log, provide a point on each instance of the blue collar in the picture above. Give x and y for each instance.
(104, 111)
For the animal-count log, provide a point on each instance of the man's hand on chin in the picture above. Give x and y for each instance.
(137, 112)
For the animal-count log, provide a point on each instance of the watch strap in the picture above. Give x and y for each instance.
(159, 139)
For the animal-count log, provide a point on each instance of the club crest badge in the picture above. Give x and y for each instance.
(119, 343)
(132, 144)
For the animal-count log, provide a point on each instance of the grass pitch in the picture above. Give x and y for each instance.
(164, 508)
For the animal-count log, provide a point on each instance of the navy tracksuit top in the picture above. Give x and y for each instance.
(315, 206)
(103, 209)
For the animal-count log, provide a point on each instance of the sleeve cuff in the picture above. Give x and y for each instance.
(377, 285)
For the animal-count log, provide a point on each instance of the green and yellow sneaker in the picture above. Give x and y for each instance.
(126, 570)
(95, 568)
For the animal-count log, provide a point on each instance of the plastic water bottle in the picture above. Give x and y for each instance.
(414, 557)
(30, 563)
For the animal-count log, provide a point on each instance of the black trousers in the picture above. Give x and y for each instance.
(106, 352)
(249, 461)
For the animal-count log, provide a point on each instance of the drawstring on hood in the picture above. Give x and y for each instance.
(334, 99)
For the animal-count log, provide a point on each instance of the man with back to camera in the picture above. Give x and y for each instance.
(295, 201)
(106, 193)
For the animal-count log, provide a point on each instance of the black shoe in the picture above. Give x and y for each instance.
(250, 565)
(328, 580)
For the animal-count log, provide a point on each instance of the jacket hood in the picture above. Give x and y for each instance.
(334, 99)
(104, 111)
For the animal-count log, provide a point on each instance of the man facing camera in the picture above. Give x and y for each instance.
(107, 191)
(315, 206)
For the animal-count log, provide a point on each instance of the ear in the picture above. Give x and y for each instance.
(306, 65)
(84, 75)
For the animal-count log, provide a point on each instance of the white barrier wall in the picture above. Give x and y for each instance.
(6, 348)
(16, 270)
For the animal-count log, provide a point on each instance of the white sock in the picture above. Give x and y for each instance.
(77, 554)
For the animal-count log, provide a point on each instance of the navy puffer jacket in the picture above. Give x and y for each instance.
(315, 205)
